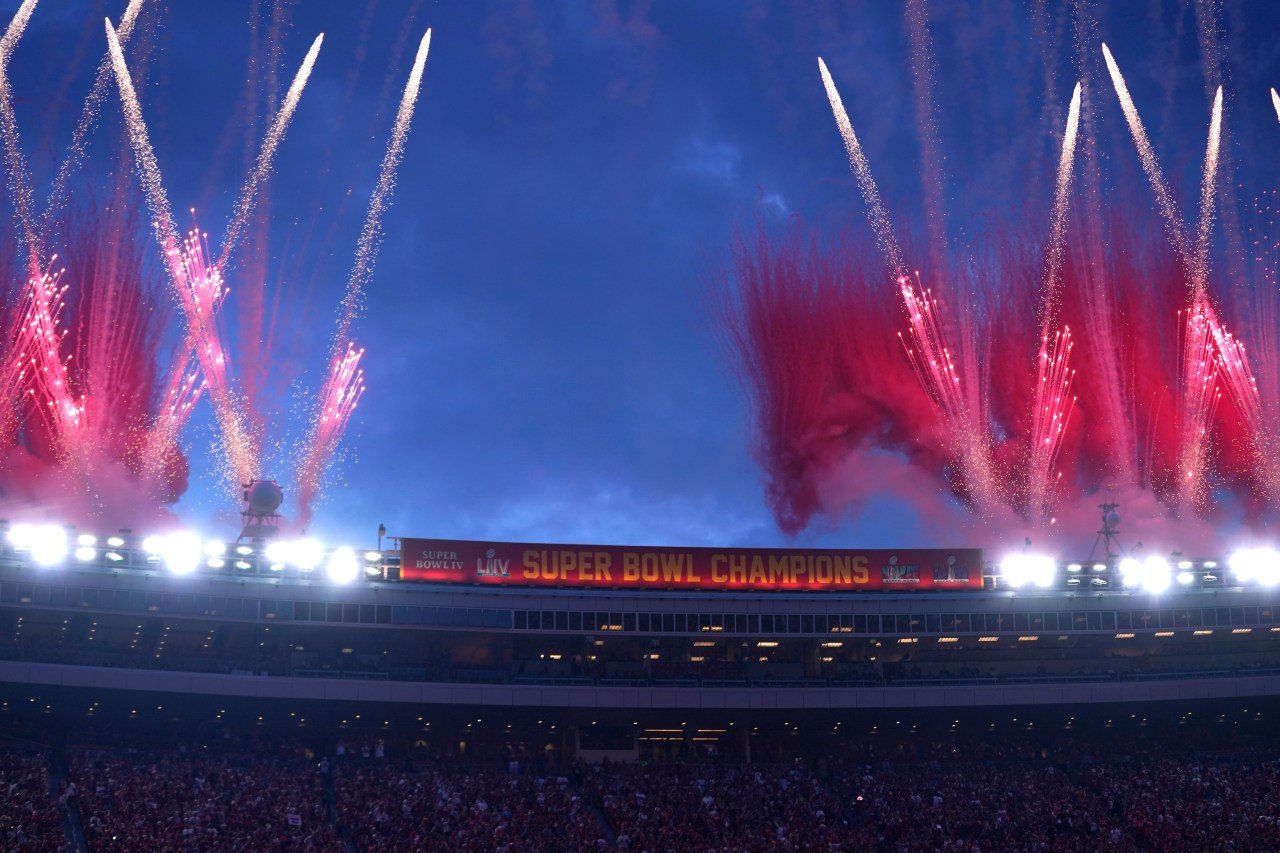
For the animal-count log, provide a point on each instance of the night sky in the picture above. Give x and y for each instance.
(543, 361)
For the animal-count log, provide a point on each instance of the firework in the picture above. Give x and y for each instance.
(1052, 418)
(344, 382)
(90, 420)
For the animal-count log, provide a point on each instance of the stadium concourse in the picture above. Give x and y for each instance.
(177, 694)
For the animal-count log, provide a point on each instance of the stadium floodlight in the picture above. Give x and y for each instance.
(277, 553)
(181, 551)
(244, 550)
(84, 553)
(343, 567)
(307, 554)
(373, 556)
(153, 545)
(1256, 564)
(48, 544)
(115, 556)
(214, 548)
(19, 536)
(1099, 567)
(1074, 567)
(1156, 574)
(86, 540)
(216, 562)
(1018, 570)
(115, 541)
(1130, 571)
(1185, 578)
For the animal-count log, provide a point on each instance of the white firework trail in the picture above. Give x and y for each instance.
(238, 444)
(88, 119)
(371, 234)
(262, 168)
(1053, 403)
(862, 173)
(1147, 154)
(14, 162)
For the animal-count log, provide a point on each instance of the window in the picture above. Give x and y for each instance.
(575, 621)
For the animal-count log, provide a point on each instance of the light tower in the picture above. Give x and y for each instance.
(261, 500)
(1109, 533)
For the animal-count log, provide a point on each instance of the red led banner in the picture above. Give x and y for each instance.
(605, 566)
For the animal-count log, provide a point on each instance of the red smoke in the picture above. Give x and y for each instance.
(814, 332)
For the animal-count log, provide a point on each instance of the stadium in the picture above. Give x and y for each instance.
(524, 669)
(631, 298)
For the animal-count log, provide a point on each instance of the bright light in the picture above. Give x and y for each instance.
(48, 544)
(216, 562)
(373, 556)
(1260, 564)
(278, 551)
(114, 557)
(307, 554)
(214, 548)
(1019, 570)
(1185, 578)
(343, 566)
(116, 542)
(84, 553)
(181, 552)
(85, 539)
(20, 536)
(1074, 567)
(1185, 564)
(1156, 575)
(1130, 571)
(153, 545)
(1099, 567)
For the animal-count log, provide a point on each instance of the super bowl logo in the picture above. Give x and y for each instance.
(955, 571)
(896, 573)
(489, 566)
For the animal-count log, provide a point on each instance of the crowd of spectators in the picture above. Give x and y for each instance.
(1014, 804)
(385, 807)
(706, 807)
(985, 792)
(186, 800)
(30, 820)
